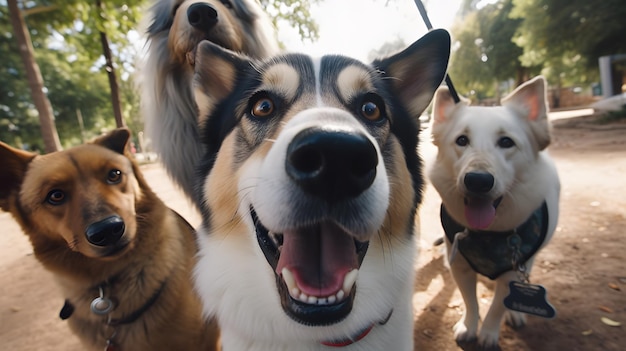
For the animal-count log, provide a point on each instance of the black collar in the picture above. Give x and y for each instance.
(489, 253)
(68, 308)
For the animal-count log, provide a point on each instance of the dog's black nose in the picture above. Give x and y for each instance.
(478, 182)
(105, 232)
(333, 165)
(202, 16)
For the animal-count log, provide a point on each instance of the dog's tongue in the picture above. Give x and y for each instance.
(479, 213)
(318, 257)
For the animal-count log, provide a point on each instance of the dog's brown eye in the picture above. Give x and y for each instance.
(227, 3)
(263, 108)
(506, 142)
(370, 111)
(55, 197)
(114, 176)
(371, 107)
(462, 140)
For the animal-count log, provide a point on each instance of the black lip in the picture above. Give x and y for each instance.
(117, 249)
(310, 315)
(495, 202)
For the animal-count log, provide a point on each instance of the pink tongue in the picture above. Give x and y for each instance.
(319, 257)
(479, 213)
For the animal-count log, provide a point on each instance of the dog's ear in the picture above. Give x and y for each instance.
(216, 72)
(529, 101)
(14, 166)
(444, 108)
(444, 105)
(418, 70)
(116, 140)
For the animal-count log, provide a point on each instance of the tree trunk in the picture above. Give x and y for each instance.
(115, 90)
(35, 81)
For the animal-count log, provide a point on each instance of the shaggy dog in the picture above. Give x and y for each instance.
(122, 258)
(311, 184)
(500, 193)
(168, 105)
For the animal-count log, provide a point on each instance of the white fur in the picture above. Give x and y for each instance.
(525, 176)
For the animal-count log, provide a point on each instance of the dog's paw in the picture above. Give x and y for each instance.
(488, 340)
(515, 319)
(464, 334)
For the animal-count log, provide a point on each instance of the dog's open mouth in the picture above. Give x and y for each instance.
(316, 268)
(480, 212)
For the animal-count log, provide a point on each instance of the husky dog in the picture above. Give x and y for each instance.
(168, 105)
(311, 183)
(500, 192)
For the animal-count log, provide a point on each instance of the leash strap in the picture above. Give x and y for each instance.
(429, 26)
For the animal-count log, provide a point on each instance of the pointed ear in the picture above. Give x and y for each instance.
(529, 102)
(444, 105)
(14, 166)
(416, 72)
(444, 109)
(216, 71)
(116, 140)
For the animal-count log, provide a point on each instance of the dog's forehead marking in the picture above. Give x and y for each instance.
(317, 64)
(282, 77)
(353, 80)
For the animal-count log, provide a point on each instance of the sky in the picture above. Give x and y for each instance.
(356, 27)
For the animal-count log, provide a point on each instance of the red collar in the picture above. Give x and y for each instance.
(360, 335)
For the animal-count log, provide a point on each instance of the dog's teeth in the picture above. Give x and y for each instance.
(290, 281)
(297, 294)
(340, 295)
(349, 280)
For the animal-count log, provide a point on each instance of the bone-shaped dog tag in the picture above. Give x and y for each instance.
(529, 298)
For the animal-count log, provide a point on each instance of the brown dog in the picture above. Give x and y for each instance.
(121, 257)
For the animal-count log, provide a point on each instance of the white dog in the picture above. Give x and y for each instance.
(500, 193)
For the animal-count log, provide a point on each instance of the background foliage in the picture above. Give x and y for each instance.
(496, 45)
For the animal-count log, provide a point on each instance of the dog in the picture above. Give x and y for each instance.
(122, 259)
(500, 190)
(167, 102)
(311, 183)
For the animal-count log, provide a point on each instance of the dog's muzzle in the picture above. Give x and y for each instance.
(317, 263)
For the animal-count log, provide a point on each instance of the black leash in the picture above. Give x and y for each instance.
(422, 10)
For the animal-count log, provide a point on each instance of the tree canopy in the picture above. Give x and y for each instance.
(66, 38)
(511, 40)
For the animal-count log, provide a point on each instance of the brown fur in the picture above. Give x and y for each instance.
(154, 259)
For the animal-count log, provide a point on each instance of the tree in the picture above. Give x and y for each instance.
(69, 39)
(567, 37)
(35, 81)
(296, 13)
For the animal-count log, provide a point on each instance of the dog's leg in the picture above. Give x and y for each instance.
(490, 330)
(465, 278)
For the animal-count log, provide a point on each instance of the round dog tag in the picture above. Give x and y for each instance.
(101, 305)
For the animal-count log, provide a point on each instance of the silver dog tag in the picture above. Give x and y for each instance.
(529, 298)
(101, 306)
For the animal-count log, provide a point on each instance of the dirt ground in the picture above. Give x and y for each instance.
(583, 268)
